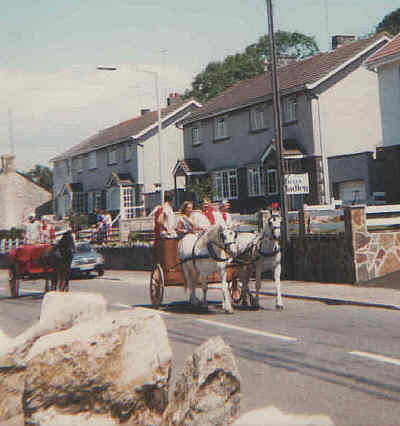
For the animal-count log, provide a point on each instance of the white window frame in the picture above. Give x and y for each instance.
(196, 135)
(221, 127)
(225, 184)
(272, 176)
(289, 110)
(254, 181)
(259, 117)
(92, 160)
(112, 155)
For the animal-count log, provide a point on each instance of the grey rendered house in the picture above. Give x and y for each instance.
(386, 64)
(331, 127)
(118, 168)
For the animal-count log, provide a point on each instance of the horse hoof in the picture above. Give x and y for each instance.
(279, 307)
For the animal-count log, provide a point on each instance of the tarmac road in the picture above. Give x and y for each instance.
(334, 350)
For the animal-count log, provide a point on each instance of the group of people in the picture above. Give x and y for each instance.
(103, 225)
(169, 225)
(39, 232)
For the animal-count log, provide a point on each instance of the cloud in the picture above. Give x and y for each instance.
(51, 111)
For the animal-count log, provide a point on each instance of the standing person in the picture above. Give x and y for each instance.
(107, 224)
(223, 214)
(166, 218)
(47, 232)
(32, 230)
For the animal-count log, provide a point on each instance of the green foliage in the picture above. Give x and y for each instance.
(42, 176)
(12, 233)
(201, 188)
(219, 76)
(390, 23)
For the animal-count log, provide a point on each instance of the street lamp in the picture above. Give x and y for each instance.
(159, 123)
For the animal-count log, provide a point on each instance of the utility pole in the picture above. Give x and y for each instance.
(278, 122)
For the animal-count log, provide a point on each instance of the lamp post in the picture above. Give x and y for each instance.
(159, 120)
(278, 121)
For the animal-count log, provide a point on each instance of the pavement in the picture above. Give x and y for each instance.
(382, 292)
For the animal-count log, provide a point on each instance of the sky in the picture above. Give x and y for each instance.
(52, 96)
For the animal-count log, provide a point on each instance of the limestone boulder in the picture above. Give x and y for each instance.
(59, 311)
(207, 391)
(117, 367)
(271, 416)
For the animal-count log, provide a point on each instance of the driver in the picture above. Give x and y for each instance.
(32, 230)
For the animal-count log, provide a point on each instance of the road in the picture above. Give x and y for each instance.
(339, 360)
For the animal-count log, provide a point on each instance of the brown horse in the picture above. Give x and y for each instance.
(56, 261)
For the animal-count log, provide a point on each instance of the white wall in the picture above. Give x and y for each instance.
(389, 92)
(350, 115)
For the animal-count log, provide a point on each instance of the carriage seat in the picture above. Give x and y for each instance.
(27, 257)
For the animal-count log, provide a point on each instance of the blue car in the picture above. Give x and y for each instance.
(86, 260)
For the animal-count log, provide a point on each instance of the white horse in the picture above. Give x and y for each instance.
(260, 252)
(204, 254)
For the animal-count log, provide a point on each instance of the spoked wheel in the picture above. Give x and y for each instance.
(235, 289)
(156, 286)
(13, 282)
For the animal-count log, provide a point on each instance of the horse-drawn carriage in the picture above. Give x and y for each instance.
(167, 271)
(44, 261)
(217, 256)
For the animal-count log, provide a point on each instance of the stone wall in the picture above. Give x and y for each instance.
(352, 256)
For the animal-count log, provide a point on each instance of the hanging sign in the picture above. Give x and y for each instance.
(297, 184)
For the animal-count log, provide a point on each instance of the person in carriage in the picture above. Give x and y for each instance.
(222, 215)
(46, 232)
(31, 231)
(187, 222)
(165, 219)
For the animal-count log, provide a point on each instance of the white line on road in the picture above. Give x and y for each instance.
(248, 330)
(121, 305)
(376, 357)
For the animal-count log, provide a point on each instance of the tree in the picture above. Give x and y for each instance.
(218, 76)
(390, 23)
(41, 175)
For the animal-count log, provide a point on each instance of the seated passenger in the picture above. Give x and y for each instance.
(187, 220)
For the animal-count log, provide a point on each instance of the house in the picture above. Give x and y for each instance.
(19, 196)
(118, 168)
(386, 64)
(331, 127)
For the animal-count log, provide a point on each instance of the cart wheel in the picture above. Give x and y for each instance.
(156, 286)
(235, 289)
(13, 282)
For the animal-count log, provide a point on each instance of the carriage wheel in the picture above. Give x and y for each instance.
(156, 286)
(13, 282)
(235, 289)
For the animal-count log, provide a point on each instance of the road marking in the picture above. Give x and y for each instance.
(376, 357)
(121, 305)
(249, 330)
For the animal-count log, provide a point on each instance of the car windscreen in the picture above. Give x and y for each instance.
(83, 248)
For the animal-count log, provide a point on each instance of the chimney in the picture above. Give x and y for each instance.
(173, 98)
(340, 40)
(144, 111)
(8, 163)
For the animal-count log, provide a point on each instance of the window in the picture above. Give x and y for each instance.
(127, 151)
(113, 198)
(272, 181)
(254, 181)
(78, 164)
(225, 184)
(79, 202)
(94, 201)
(289, 110)
(221, 127)
(259, 117)
(92, 160)
(112, 156)
(196, 137)
(128, 202)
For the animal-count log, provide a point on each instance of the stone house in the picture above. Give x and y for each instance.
(331, 127)
(118, 169)
(19, 196)
(386, 64)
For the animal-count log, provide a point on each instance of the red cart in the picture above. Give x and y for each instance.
(25, 265)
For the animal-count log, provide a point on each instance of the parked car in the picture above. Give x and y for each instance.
(86, 259)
